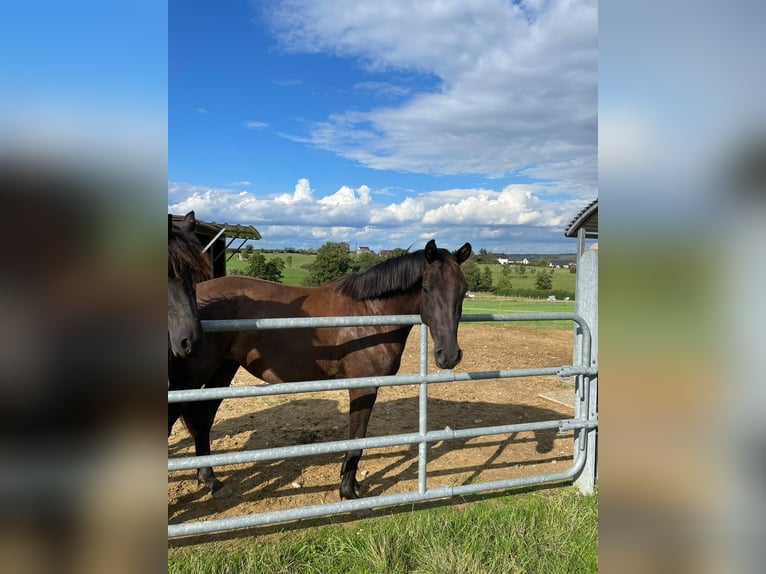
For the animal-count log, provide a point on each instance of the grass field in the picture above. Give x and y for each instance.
(295, 270)
(488, 304)
(562, 278)
(552, 531)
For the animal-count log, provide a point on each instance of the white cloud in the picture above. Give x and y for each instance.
(256, 125)
(495, 220)
(514, 205)
(517, 92)
(409, 210)
(347, 197)
(302, 193)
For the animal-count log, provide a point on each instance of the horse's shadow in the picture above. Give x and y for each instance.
(305, 421)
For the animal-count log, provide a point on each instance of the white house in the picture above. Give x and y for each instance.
(502, 261)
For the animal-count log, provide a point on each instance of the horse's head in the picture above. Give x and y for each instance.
(186, 266)
(444, 288)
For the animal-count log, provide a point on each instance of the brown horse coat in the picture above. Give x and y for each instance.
(427, 282)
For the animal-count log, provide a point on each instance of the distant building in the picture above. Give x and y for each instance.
(503, 261)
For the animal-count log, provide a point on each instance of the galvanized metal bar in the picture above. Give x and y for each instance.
(217, 235)
(423, 410)
(220, 325)
(315, 511)
(182, 396)
(211, 325)
(319, 448)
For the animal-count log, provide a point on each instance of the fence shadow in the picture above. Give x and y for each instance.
(312, 420)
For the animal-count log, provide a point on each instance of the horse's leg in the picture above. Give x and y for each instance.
(361, 402)
(175, 410)
(198, 417)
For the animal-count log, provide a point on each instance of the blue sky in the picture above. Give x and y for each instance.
(385, 124)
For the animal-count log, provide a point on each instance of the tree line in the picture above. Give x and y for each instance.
(334, 259)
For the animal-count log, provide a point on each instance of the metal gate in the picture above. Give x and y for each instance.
(585, 419)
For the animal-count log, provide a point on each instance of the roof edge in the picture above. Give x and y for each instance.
(582, 218)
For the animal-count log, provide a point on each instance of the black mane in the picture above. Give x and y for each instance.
(185, 256)
(391, 277)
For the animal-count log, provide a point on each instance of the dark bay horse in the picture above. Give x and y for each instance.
(187, 266)
(428, 282)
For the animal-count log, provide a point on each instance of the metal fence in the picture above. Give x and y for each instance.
(584, 419)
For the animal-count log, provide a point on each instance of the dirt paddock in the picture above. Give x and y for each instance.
(253, 423)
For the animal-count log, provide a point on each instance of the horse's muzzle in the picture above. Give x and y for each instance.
(445, 360)
(186, 347)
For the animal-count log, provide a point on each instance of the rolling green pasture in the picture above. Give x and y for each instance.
(293, 274)
(297, 270)
(562, 278)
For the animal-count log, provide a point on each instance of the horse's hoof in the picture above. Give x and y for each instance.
(220, 490)
(351, 493)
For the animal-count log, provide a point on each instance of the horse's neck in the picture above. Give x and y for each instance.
(402, 304)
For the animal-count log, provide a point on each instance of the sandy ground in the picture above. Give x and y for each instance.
(245, 424)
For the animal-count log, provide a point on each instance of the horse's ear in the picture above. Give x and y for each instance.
(190, 223)
(463, 253)
(431, 251)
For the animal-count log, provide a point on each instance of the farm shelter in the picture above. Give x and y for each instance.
(214, 237)
(585, 226)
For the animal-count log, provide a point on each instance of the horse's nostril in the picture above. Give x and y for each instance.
(186, 345)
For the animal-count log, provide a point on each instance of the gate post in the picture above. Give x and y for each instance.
(586, 306)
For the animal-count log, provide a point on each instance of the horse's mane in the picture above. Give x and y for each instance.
(185, 256)
(391, 277)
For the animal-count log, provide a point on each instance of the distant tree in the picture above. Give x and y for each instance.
(472, 274)
(364, 260)
(544, 281)
(521, 270)
(504, 283)
(573, 268)
(332, 260)
(289, 260)
(397, 251)
(484, 257)
(270, 270)
(248, 249)
(485, 283)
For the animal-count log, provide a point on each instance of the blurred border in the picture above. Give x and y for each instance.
(83, 180)
(682, 129)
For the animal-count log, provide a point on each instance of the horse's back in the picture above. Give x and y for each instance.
(296, 354)
(242, 287)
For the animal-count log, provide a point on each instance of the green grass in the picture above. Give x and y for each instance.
(292, 274)
(562, 278)
(488, 304)
(552, 531)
